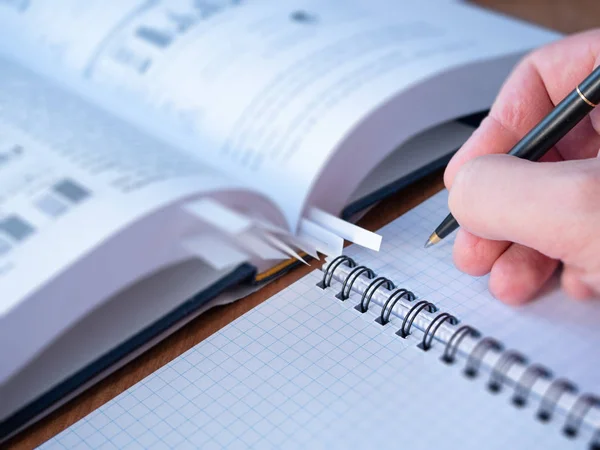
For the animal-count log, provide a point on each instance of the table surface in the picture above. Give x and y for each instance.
(566, 16)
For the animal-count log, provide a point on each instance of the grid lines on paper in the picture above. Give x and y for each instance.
(302, 370)
(554, 330)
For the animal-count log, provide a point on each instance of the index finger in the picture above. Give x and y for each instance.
(539, 82)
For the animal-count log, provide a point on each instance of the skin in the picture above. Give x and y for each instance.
(521, 220)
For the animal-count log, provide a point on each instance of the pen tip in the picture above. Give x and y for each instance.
(433, 239)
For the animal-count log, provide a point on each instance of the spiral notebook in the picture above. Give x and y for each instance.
(390, 349)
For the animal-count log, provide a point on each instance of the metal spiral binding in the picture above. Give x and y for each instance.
(328, 275)
(476, 356)
(534, 372)
(394, 297)
(452, 346)
(501, 367)
(346, 288)
(412, 313)
(370, 290)
(595, 442)
(583, 404)
(432, 328)
(551, 397)
(529, 377)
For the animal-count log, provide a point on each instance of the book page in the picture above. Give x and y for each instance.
(273, 87)
(88, 205)
(70, 177)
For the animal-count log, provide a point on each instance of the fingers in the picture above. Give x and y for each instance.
(521, 104)
(548, 210)
(561, 66)
(490, 138)
(535, 86)
(503, 198)
(545, 209)
(519, 274)
(573, 285)
(474, 255)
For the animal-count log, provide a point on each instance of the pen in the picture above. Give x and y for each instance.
(568, 113)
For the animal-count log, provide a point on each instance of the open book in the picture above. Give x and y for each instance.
(156, 154)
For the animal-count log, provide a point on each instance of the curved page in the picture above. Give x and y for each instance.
(73, 181)
(275, 88)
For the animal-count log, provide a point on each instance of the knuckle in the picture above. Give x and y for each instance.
(512, 108)
(461, 192)
(583, 193)
(581, 201)
(510, 115)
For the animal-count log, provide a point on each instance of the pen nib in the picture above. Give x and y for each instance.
(433, 239)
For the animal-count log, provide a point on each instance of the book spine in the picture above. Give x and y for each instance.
(557, 399)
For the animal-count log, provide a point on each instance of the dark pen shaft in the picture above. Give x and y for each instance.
(535, 144)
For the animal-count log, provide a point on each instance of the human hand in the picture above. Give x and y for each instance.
(520, 219)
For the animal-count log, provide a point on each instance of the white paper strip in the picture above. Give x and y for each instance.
(259, 247)
(325, 241)
(215, 251)
(266, 225)
(345, 229)
(219, 216)
(302, 243)
(306, 245)
(275, 242)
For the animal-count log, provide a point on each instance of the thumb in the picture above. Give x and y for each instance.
(548, 206)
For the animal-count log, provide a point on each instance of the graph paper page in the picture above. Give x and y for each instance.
(304, 370)
(553, 330)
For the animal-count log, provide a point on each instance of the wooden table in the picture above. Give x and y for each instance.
(566, 16)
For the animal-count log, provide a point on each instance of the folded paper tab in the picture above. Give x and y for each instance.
(219, 216)
(344, 229)
(301, 243)
(325, 241)
(278, 243)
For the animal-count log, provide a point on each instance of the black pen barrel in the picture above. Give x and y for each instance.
(535, 144)
(554, 127)
(447, 226)
(590, 87)
(568, 113)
